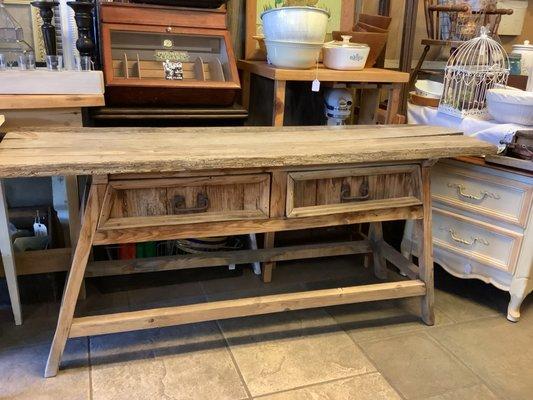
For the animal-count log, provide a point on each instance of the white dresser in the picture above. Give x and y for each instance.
(483, 226)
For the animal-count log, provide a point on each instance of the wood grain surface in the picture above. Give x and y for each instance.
(92, 151)
(375, 75)
(35, 101)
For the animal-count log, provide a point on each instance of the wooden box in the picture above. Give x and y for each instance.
(137, 39)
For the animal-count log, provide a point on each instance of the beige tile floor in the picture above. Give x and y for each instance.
(364, 351)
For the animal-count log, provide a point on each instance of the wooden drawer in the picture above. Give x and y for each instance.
(148, 202)
(500, 198)
(475, 240)
(313, 193)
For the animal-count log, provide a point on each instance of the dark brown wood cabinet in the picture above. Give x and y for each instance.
(136, 41)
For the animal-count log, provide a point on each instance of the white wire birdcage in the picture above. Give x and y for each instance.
(475, 67)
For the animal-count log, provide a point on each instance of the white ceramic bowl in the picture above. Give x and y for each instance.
(295, 24)
(428, 88)
(292, 55)
(510, 106)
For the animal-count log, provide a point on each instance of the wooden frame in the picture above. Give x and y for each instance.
(370, 80)
(35, 20)
(421, 284)
(251, 49)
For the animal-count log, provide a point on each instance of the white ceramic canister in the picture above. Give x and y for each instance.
(345, 55)
(526, 51)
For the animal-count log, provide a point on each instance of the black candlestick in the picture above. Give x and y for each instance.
(46, 11)
(83, 14)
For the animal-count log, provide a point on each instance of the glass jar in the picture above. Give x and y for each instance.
(515, 64)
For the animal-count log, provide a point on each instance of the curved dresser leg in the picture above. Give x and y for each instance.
(513, 310)
(520, 287)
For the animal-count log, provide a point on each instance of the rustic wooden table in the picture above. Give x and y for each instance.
(165, 184)
(371, 80)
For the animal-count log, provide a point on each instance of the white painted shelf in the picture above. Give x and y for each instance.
(42, 81)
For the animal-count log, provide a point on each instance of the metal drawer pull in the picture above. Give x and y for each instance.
(346, 189)
(472, 241)
(202, 204)
(461, 190)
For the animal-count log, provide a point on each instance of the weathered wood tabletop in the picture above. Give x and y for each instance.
(79, 151)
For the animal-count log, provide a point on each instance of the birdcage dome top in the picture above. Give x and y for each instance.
(481, 54)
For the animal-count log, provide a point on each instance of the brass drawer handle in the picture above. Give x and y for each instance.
(346, 189)
(202, 204)
(472, 241)
(461, 191)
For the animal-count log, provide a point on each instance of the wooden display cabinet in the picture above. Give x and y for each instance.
(137, 39)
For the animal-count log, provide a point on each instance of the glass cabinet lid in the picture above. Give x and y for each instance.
(170, 56)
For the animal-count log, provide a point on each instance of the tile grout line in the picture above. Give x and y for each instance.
(451, 390)
(409, 330)
(401, 333)
(235, 364)
(460, 322)
(228, 348)
(316, 384)
(426, 328)
(462, 362)
(367, 357)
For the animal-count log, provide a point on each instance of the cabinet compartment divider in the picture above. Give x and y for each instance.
(139, 75)
(199, 69)
(125, 66)
(217, 73)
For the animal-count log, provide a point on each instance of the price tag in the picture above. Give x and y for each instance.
(315, 86)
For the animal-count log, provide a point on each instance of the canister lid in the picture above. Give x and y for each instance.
(345, 43)
(525, 46)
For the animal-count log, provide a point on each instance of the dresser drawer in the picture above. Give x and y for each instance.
(500, 198)
(147, 202)
(479, 241)
(313, 193)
